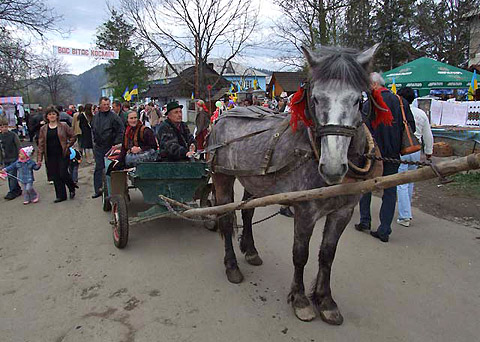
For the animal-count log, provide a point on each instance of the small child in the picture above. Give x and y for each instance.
(24, 167)
(75, 160)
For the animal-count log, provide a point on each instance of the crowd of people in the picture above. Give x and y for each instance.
(89, 133)
(130, 135)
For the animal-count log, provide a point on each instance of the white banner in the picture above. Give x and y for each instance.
(95, 53)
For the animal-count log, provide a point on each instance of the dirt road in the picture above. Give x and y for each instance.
(63, 280)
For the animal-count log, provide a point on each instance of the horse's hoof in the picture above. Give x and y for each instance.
(305, 314)
(333, 317)
(234, 275)
(253, 259)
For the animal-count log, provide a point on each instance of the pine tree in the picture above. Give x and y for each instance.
(359, 25)
(444, 30)
(130, 68)
(394, 29)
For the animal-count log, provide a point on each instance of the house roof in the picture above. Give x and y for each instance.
(220, 93)
(182, 85)
(289, 81)
(232, 69)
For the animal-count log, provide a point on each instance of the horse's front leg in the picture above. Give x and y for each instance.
(304, 224)
(224, 194)
(247, 244)
(322, 296)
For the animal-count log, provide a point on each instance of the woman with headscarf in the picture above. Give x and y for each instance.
(139, 143)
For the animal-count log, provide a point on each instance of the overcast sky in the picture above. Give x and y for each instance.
(82, 17)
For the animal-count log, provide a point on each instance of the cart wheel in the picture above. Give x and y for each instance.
(106, 205)
(120, 221)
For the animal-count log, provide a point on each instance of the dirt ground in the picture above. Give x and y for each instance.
(454, 201)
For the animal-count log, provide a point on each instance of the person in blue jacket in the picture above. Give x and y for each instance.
(24, 167)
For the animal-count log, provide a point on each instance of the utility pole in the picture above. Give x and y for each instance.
(196, 67)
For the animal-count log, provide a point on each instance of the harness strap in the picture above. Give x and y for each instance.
(348, 131)
(228, 142)
(271, 146)
(297, 158)
(313, 145)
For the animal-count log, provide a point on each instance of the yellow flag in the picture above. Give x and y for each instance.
(394, 86)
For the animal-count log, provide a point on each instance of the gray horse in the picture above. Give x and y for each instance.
(267, 157)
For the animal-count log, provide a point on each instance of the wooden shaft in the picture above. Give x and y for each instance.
(176, 203)
(445, 168)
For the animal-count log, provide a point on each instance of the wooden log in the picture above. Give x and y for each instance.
(446, 168)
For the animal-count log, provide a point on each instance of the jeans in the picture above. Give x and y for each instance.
(405, 191)
(29, 193)
(387, 210)
(73, 169)
(13, 186)
(99, 155)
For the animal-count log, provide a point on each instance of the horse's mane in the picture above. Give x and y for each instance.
(335, 64)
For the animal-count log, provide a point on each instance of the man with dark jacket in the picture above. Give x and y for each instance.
(389, 140)
(118, 109)
(35, 122)
(64, 117)
(175, 140)
(107, 131)
(9, 148)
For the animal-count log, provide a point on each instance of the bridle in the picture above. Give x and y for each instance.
(318, 131)
(329, 129)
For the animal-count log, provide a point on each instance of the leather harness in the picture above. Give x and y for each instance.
(298, 156)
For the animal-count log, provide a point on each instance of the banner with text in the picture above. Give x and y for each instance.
(94, 53)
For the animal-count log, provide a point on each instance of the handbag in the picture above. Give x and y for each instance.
(410, 143)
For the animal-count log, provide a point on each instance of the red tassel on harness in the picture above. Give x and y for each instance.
(298, 104)
(382, 114)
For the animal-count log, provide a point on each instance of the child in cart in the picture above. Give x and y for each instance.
(24, 167)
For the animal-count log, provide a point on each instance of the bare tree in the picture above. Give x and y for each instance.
(310, 23)
(15, 56)
(194, 29)
(14, 63)
(33, 15)
(50, 72)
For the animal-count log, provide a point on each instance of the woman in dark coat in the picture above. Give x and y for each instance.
(54, 142)
(84, 121)
(139, 143)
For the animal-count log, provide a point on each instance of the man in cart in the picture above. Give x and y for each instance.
(175, 140)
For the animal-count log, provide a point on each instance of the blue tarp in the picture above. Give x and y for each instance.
(457, 134)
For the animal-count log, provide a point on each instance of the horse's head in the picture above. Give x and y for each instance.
(337, 78)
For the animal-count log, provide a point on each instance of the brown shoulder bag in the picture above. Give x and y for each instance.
(410, 143)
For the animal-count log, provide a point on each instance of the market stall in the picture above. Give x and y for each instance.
(425, 74)
(12, 105)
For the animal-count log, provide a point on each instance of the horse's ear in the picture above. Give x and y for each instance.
(366, 56)
(309, 56)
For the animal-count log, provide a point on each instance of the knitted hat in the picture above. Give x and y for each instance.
(27, 151)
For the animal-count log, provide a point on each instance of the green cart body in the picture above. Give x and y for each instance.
(184, 182)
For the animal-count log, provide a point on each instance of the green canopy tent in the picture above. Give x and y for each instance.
(425, 74)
